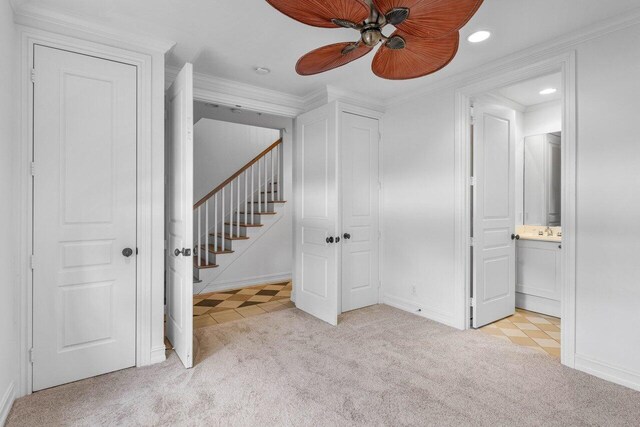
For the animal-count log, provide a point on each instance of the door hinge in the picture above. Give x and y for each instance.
(32, 357)
(472, 302)
(33, 262)
(471, 241)
(33, 75)
(33, 169)
(472, 181)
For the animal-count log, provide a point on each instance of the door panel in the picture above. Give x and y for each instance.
(179, 227)
(360, 211)
(84, 289)
(494, 215)
(316, 214)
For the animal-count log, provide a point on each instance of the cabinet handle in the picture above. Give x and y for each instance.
(329, 240)
(515, 237)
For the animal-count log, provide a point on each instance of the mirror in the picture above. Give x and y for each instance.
(542, 180)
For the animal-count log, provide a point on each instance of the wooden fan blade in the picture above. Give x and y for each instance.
(320, 13)
(431, 18)
(418, 58)
(329, 57)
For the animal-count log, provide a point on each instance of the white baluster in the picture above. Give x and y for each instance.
(206, 229)
(277, 193)
(246, 199)
(238, 209)
(199, 235)
(222, 218)
(252, 191)
(259, 188)
(215, 222)
(272, 174)
(266, 180)
(231, 211)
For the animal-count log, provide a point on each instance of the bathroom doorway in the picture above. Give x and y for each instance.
(515, 267)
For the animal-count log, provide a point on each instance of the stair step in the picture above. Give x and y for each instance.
(260, 213)
(272, 201)
(204, 264)
(220, 250)
(242, 224)
(227, 236)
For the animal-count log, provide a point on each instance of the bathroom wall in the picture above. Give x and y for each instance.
(419, 204)
(9, 301)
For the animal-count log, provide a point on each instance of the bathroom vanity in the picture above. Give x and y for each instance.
(538, 282)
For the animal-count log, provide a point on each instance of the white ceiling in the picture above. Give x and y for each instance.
(527, 93)
(228, 38)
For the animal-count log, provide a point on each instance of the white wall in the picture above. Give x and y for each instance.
(9, 301)
(272, 255)
(419, 205)
(220, 149)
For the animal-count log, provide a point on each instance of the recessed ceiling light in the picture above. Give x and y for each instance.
(262, 70)
(548, 91)
(479, 36)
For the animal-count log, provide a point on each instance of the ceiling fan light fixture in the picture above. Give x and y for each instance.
(371, 36)
(479, 36)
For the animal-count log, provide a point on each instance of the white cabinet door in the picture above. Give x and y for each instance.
(179, 215)
(84, 201)
(316, 215)
(359, 144)
(494, 215)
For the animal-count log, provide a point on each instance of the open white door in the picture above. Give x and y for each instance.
(316, 249)
(494, 263)
(179, 215)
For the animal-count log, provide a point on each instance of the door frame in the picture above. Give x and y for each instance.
(150, 346)
(566, 64)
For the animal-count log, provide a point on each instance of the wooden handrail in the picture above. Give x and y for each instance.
(237, 174)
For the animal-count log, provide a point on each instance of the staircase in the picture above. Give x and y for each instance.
(240, 209)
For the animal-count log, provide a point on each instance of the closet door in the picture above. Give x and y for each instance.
(316, 217)
(84, 217)
(360, 189)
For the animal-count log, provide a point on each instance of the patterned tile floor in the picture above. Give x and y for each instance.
(225, 306)
(529, 329)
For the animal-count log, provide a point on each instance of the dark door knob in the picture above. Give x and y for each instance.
(515, 237)
(127, 252)
(346, 236)
(337, 239)
(184, 252)
(329, 239)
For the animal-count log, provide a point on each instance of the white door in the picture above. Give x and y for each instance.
(359, 144)
(316, 251)
(494, 215)
(179, 215)
(84, 217)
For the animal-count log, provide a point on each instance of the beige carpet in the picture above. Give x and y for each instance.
(380, 366)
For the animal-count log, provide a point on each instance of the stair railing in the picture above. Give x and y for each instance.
(242, 189)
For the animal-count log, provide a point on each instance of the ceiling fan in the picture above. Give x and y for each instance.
(426, 37)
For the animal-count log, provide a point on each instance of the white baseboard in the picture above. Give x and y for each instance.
(249, 281)
(419, 310)
(158, 355)
(608, 372)
(6, 403)
(538, 304)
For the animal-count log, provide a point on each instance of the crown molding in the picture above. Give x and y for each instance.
(73, 25)
(521, 58)
(504, 101)
(543, 105)
(208, 88)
